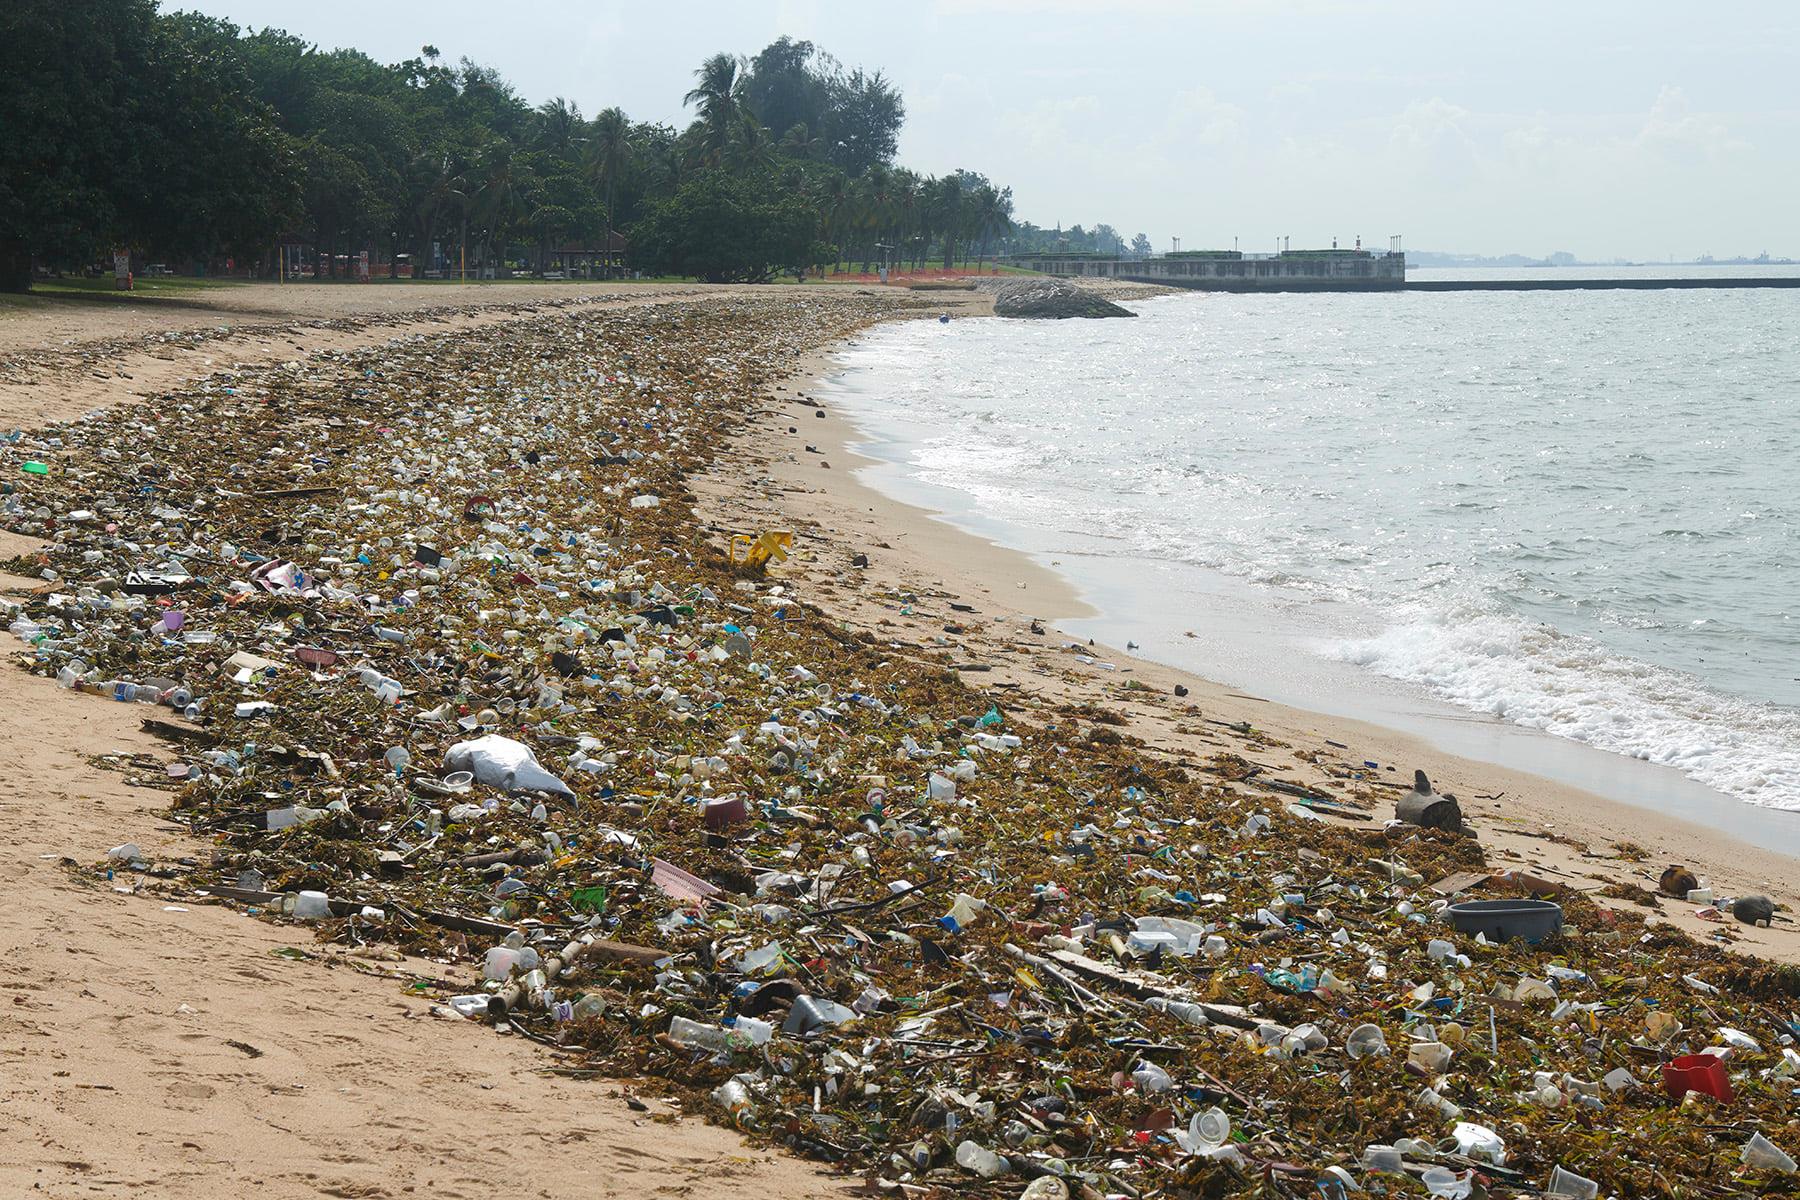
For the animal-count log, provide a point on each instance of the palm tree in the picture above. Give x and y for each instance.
(800, 142)
(501, 198)
(720, 97)
(992, 216)
(560, 127)
(909, 208)
(752, 149)
(439, 186)
(947, 203)
(877, 206)
(834, 203)
(608, 148)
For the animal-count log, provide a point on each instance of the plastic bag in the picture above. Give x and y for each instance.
(500, 762)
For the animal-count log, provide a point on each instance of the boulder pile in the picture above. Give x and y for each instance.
(1049, 298)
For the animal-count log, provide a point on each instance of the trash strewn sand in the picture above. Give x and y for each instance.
(157, 1053)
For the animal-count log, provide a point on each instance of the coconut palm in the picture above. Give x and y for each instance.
(993, 216)
(751, 148)
(719, 95)
(560, 127)
(801, 143)
(502, 197)
(440, 188)
(609, 147)
(948, 212)
(909, 210)
(877, 206)
(834, 206)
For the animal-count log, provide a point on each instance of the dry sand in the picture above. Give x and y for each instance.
(62, 357)
(1536, 825)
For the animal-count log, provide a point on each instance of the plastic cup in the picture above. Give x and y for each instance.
(1429, 1056)
(1568, 1183)
(1764, 1155)
(1366, 1041)
(1383, 1159)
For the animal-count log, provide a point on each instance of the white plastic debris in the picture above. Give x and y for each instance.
(500, 762)
(1478, 1141)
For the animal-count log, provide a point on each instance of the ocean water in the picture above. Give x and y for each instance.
(1575, 512)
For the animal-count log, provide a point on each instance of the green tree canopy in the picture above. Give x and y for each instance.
(123, 126)
(729, 228)
(182, 136)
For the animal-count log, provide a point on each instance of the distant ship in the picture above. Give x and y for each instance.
(1333, 270)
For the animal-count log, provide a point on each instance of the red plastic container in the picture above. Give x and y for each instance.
(1697, 1073)
(720, 815)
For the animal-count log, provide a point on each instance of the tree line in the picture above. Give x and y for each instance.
(185, 138)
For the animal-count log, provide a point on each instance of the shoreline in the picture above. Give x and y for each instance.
(1526, 820)
(1252, 640)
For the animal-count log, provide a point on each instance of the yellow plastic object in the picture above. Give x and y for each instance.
(772, 546)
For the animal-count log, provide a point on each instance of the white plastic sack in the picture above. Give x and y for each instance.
(1479, 1141)
(503, 763)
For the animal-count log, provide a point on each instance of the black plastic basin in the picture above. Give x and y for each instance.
(1501, 920)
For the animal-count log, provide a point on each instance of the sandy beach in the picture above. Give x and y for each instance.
(174, 1048)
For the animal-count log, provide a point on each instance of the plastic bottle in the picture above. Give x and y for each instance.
(699, 1037)
(1181, 1010)
(732, 1096)
(980, 1160)
(311, 906)
(1151, 1079)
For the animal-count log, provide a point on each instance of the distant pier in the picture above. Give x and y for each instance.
(1333, 270)
(1339, 270)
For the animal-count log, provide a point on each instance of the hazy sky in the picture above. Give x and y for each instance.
(1637, 129)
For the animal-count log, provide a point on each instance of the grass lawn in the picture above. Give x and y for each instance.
(105, 288)
(105, 291)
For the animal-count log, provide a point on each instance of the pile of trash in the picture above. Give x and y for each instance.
(455, 669)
